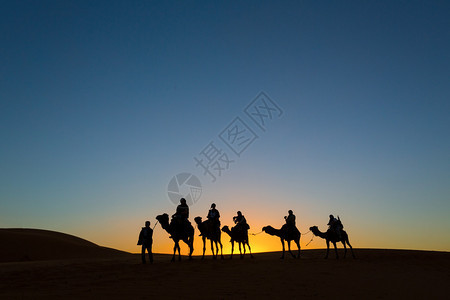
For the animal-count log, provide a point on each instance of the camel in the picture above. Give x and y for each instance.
(173, 229)
(332, 236)
(213, 235)
(239, 237)
(285, 236)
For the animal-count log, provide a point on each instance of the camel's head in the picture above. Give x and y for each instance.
(163, 219)
(198, 220)
(225, 228)
(314, 228)
(269, 230)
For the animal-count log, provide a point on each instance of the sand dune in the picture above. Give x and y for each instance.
(37, 244)
(375, 274)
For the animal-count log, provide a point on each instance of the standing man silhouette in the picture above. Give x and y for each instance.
(146, 240)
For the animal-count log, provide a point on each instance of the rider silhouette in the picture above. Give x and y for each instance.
(182, 210)
(241, 222)
(335, 225)
(290, 218)
(181, 215)
(213, 217)
(290, 222)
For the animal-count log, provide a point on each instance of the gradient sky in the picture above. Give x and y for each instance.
(103, 102)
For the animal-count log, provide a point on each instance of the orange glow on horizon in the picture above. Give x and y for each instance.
(261, 242)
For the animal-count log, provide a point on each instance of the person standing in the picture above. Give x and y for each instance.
(146, 240)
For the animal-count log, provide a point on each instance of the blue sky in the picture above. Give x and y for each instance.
(102, 102)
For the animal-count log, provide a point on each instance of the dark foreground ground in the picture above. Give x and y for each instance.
(375, 274)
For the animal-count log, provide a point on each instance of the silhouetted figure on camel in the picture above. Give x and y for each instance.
(146, 240)
(179, 228)
(288, 232)
(210, 229)
(334, 234)
(239, 234)
(211, 233)
(335, 225)
(241, 226)
(213, 218)
(182, 212)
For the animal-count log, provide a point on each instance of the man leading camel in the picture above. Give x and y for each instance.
(146, 240)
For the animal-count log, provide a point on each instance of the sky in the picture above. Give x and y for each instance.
(102, 103)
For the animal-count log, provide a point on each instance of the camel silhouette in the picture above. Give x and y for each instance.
(177, 234)
(332, 236)
(285, 235)
(240, 237)
(212, 235)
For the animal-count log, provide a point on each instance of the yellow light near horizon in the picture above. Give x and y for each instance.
(261, 242)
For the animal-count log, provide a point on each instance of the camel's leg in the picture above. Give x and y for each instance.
(282, 244)
(179, 251)
(351, 248)
(232, 249)
(240, 250)
(335, 250)
(204, 247)
(328, 248)
(217, 248)
(191, 246)
(289, 247)
(298, 246)
(345, 248)
(212, 249)
(174, 251)
(221, 253)
(249, 249)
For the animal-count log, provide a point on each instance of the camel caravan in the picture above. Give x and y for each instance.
(180, 229)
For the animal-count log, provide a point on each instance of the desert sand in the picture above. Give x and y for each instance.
(56, 265)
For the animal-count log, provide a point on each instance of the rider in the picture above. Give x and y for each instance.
(241, 222)
(335, 225)
(182, 210)
(182, 214)
(213, 217)
(290, 221)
